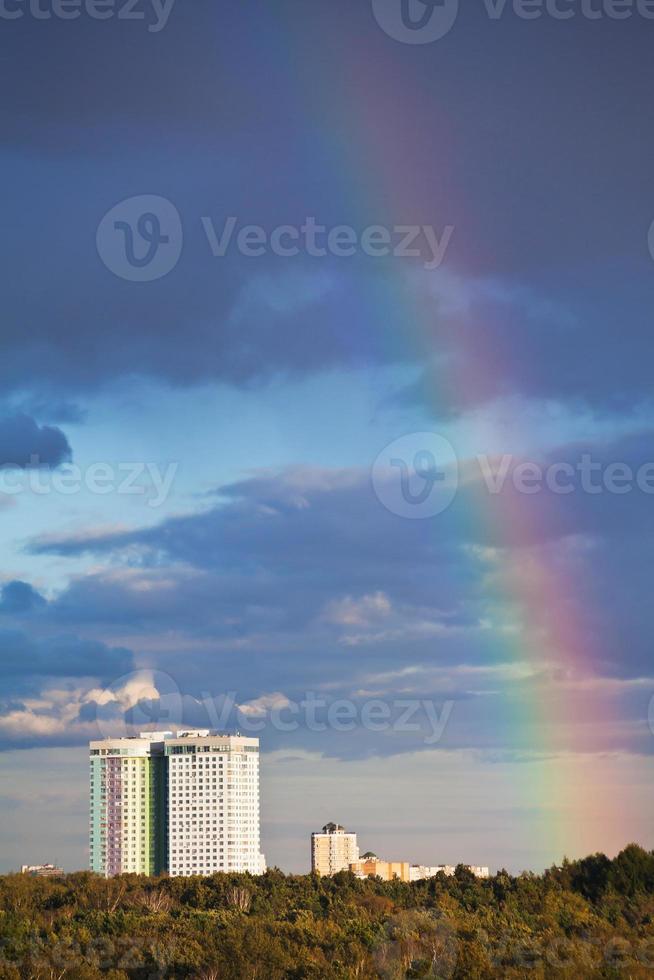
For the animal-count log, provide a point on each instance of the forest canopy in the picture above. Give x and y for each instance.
(586, 918)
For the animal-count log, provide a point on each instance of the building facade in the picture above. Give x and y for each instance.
(213, 804)
(478, 871)
(128, 805)
(370, 866)
(418, 872)
(42, 871)
(187, 804)
(333, 850)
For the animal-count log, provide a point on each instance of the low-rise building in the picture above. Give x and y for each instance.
(370, 866)
(418, 872)
(42, 870)
(334, 850)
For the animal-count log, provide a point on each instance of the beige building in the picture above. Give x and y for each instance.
(333, 850)
(371, 866)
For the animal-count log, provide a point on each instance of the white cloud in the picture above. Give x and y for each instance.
(262, 705)
(56, 711)
(363, 611)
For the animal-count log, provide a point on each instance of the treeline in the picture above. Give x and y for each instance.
(589, 918)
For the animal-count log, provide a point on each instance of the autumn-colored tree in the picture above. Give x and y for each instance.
(592, 918)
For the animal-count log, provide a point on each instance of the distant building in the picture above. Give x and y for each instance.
(371, 866)
(333, 850)
(418, 872)
(186, 804)
(42, 870)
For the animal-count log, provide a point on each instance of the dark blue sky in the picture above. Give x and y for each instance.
(248, 398)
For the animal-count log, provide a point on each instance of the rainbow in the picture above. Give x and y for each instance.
(391, 149)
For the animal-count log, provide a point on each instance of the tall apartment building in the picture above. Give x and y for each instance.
(128, 805)
(333, 850)
(213, 804)
(186, 804)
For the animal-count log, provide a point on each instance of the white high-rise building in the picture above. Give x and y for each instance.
(213, 804)
(187, 804)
